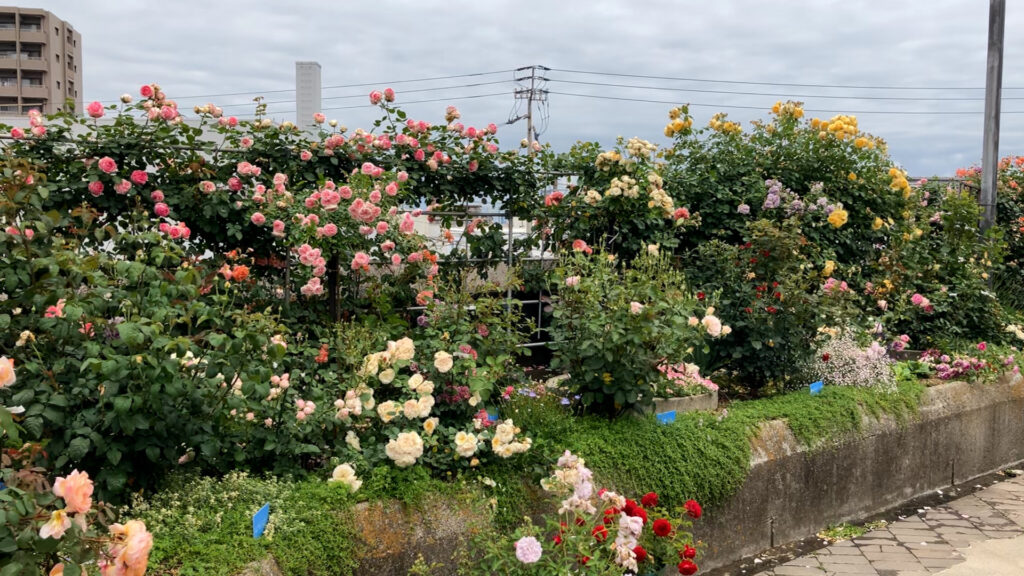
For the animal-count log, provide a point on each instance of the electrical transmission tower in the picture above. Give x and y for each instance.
(531, 88)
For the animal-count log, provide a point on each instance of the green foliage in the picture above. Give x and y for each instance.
(616, 323)
(203, 526)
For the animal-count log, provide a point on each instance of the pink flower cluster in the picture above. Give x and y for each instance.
(832, 285)
(921, 302)
(304, 408)
(175, 231)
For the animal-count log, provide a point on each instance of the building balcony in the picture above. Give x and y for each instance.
(37, 36)
(9, 90)
(8, 34)
(35, 92)
(33, 63)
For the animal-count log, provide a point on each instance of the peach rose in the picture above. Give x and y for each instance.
(76, 490)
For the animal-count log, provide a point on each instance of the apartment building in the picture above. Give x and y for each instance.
(40, 62)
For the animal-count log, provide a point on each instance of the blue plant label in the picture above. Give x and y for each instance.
(492, 415)
(259, 520)
(667, 417)
(816, 387)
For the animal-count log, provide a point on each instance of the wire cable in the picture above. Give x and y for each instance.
(669, 102)
(782, 95)
(855, 86)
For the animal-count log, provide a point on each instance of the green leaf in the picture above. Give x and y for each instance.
(78, 448)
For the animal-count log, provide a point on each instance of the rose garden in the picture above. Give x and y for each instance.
(201, 317)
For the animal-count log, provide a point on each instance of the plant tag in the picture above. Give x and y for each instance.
(259, 520)
(492, 415)
(667, 417)
(816, 387)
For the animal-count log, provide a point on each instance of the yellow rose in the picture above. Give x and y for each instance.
(829, 268)
(878, 223)
(838, 217)
(851, 176)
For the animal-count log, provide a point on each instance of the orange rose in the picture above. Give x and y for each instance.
(240, 273)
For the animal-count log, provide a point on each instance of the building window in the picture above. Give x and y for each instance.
(58, 84)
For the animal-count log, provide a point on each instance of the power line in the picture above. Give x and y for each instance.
(470, 97)
(854, 86)
(669, 102)
(776, 94)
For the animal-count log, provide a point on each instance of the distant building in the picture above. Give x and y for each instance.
(40, 62)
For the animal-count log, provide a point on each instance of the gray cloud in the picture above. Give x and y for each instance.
(207, 48)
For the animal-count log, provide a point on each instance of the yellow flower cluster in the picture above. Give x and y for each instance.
(638, 148)
(864, 142)
(841, 126)
(680, 122)
(719, 124)
(794, 109)
(605, 160)
(899, 182)
(838, 217)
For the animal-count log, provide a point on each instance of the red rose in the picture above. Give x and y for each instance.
(825, 357)
(600, 533)
(700, 295)
(580, 521)
(693, 509)
(556, 539)
(630, 507)
(650, 500)
(641, 554)
(662, 527)
(640, 513)
(687, 567)
(609, 515)
(688, 553)
(585, 559)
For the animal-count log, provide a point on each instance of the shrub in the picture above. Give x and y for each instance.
(616, 323)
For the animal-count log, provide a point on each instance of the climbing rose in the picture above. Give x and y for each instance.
(95, 109)
(662, 527)
(649, 500)
(689, 552)
(107, 164)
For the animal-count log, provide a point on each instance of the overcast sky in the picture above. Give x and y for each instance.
(202, 49)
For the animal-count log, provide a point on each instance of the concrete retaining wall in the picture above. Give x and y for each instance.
(963, 430)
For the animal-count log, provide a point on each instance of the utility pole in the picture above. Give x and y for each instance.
(531, 88)
(993, 97)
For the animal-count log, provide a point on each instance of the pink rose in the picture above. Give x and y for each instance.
(139, 177)
(391, 189)
(258, 219)
(319, 118)
(168, 113)
(389, 94)
(76, 490)
(361, 261)
(39, 131)
(94, 109)
(123, 187)
(234, 184)
(161, 209)
(206, 186)
(572, 281)
(17, 133)
(107, 164)
(146, 91)
(382, 227)
(376, 97)
(278, 229)
(305, 155)
(157, 196)
(96, 188)
(408, 225)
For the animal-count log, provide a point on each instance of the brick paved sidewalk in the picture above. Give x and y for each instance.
(924, 544)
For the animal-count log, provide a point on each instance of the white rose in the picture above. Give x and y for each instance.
(411, 409)
(387, 410)
(465, 444)
(346, 475)
(405, 449)
(386, 376)
(713, 325)
(425, 404)
(429, 425)
(403, 349)
(443, 361)
(415, 380)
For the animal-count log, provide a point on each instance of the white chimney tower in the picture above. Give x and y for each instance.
(307, 93)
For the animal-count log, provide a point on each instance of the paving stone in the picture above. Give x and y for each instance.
(798, 571)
